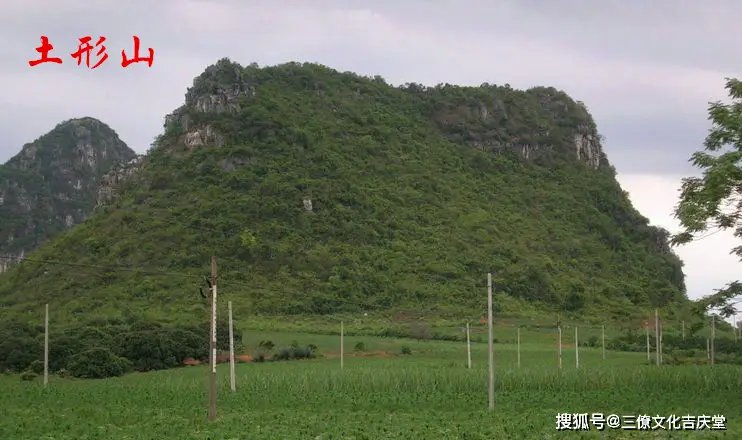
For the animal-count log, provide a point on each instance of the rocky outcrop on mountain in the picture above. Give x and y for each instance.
(52, 184)
(118, 176)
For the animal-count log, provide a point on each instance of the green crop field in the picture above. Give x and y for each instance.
(379, 394)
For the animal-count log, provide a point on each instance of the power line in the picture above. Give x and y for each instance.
(105, 268)
(707, 235)
(241, 283)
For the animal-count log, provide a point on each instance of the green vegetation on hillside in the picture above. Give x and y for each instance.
(53, 182)
(415, 194)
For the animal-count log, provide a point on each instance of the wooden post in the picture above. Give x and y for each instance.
(518, 347)
(577, 350)
(662, 358)
(657, 335)
(708, 351)
(212, 345)
(46, 345)
(603, 341)
(468, 346)
(232, 379)
(713, 336)
(559, 347)
(490, 343)
(649, 355)
(734, 327)
(342, 345)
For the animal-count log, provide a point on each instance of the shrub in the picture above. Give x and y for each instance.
(266, 345)
(146, 344)
(360, 346)
(19, 346)
(420, 331)
(293, 353)
(406, 350)
(283, 354)
(62, 347)
(28, 375)
(97, 363)
(36, 366)
(161, 348)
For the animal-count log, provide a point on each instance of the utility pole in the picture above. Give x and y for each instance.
(46, 345)
(713, 336)
(232, 379)
(657, 335)
(734, 327)
(518, 347)
(646, 330)
(490, 345)
(708, 351)
(577, 350)
(212, 344)
(468, 346)
(662, 358)
(559, 347)
(603, 341)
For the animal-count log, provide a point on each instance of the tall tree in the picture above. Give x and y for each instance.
(713, 202)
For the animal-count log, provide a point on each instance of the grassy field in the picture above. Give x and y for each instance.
(380, 394)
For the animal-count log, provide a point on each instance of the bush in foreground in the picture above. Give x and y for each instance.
(98, 363)
(138, 344)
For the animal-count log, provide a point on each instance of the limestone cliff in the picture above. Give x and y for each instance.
(52, 184)
(118, 176)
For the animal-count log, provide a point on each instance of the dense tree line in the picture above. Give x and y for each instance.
(677, 349)
(106, 349)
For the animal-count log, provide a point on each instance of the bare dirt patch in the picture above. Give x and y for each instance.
(219, 360)
(360, 354)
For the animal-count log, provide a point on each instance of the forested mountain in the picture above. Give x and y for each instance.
(321, 191)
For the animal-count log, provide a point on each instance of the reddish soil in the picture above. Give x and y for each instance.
(191, 361)
(221, 359)
(333, 354)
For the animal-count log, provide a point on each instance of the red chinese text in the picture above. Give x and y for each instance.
(44, 50)
(137, 58)
(84, 50)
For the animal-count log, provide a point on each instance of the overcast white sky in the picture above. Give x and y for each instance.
(646, 70)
